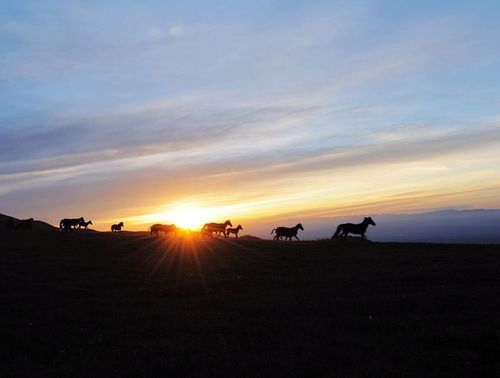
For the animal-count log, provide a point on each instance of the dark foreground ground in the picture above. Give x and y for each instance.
(89, 304)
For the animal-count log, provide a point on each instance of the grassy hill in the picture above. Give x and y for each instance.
(130, 304)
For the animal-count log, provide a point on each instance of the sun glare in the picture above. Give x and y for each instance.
(189, 215)
(186, 217)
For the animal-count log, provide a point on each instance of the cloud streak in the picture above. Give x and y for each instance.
(307, 106)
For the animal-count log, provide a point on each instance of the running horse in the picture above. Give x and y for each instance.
(234, 231)
(117, 227)
(70, 223)
(166, 228)
(84, 224)
(287, 232)
(345, 229)
(219, 228)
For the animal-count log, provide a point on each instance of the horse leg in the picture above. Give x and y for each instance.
(296, 237)
(337, 232)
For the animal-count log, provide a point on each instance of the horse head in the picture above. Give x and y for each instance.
(228, 223)
(81, 219)
(90, 222)
(299, 227)
(369, 220)
(239, 227)
(121, 224)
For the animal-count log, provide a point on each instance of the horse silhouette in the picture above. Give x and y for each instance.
(84, 224)
(25, 224)
(69, 224)
(219, 228)
(206, 233)
(345, 229)
(234, 231)
(166, 228)
(117, 227)
(287, 232)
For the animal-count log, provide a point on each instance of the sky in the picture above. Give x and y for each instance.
(264, 112)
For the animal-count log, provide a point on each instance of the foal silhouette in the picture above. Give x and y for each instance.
(84, 224)
(234, 231)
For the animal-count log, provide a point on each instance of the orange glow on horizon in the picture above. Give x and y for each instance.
(186, 215)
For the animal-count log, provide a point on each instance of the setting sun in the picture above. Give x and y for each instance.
(190, 215)
(186, 217)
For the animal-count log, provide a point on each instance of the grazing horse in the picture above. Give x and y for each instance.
(166, 228)
(70, 223)
(84, 224)
(287, 232)
(219, 228)
(117, 227)
(349, 228)
(234, 231)
(25, 224)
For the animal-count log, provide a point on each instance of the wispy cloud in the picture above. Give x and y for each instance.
(312, 105)
(157, 34)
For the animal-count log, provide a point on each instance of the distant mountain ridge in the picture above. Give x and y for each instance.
(37, 224)
(478, 226)
(446, 226)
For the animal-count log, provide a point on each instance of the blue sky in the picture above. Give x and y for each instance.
(261, 109)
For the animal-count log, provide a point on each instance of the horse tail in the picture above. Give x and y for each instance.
(273, 231)
(336, 234)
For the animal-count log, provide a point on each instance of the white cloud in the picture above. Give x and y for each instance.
(176, 31)
(156, 34)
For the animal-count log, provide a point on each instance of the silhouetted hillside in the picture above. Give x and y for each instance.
(75, 301)
(249, 237)
(37, 224)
